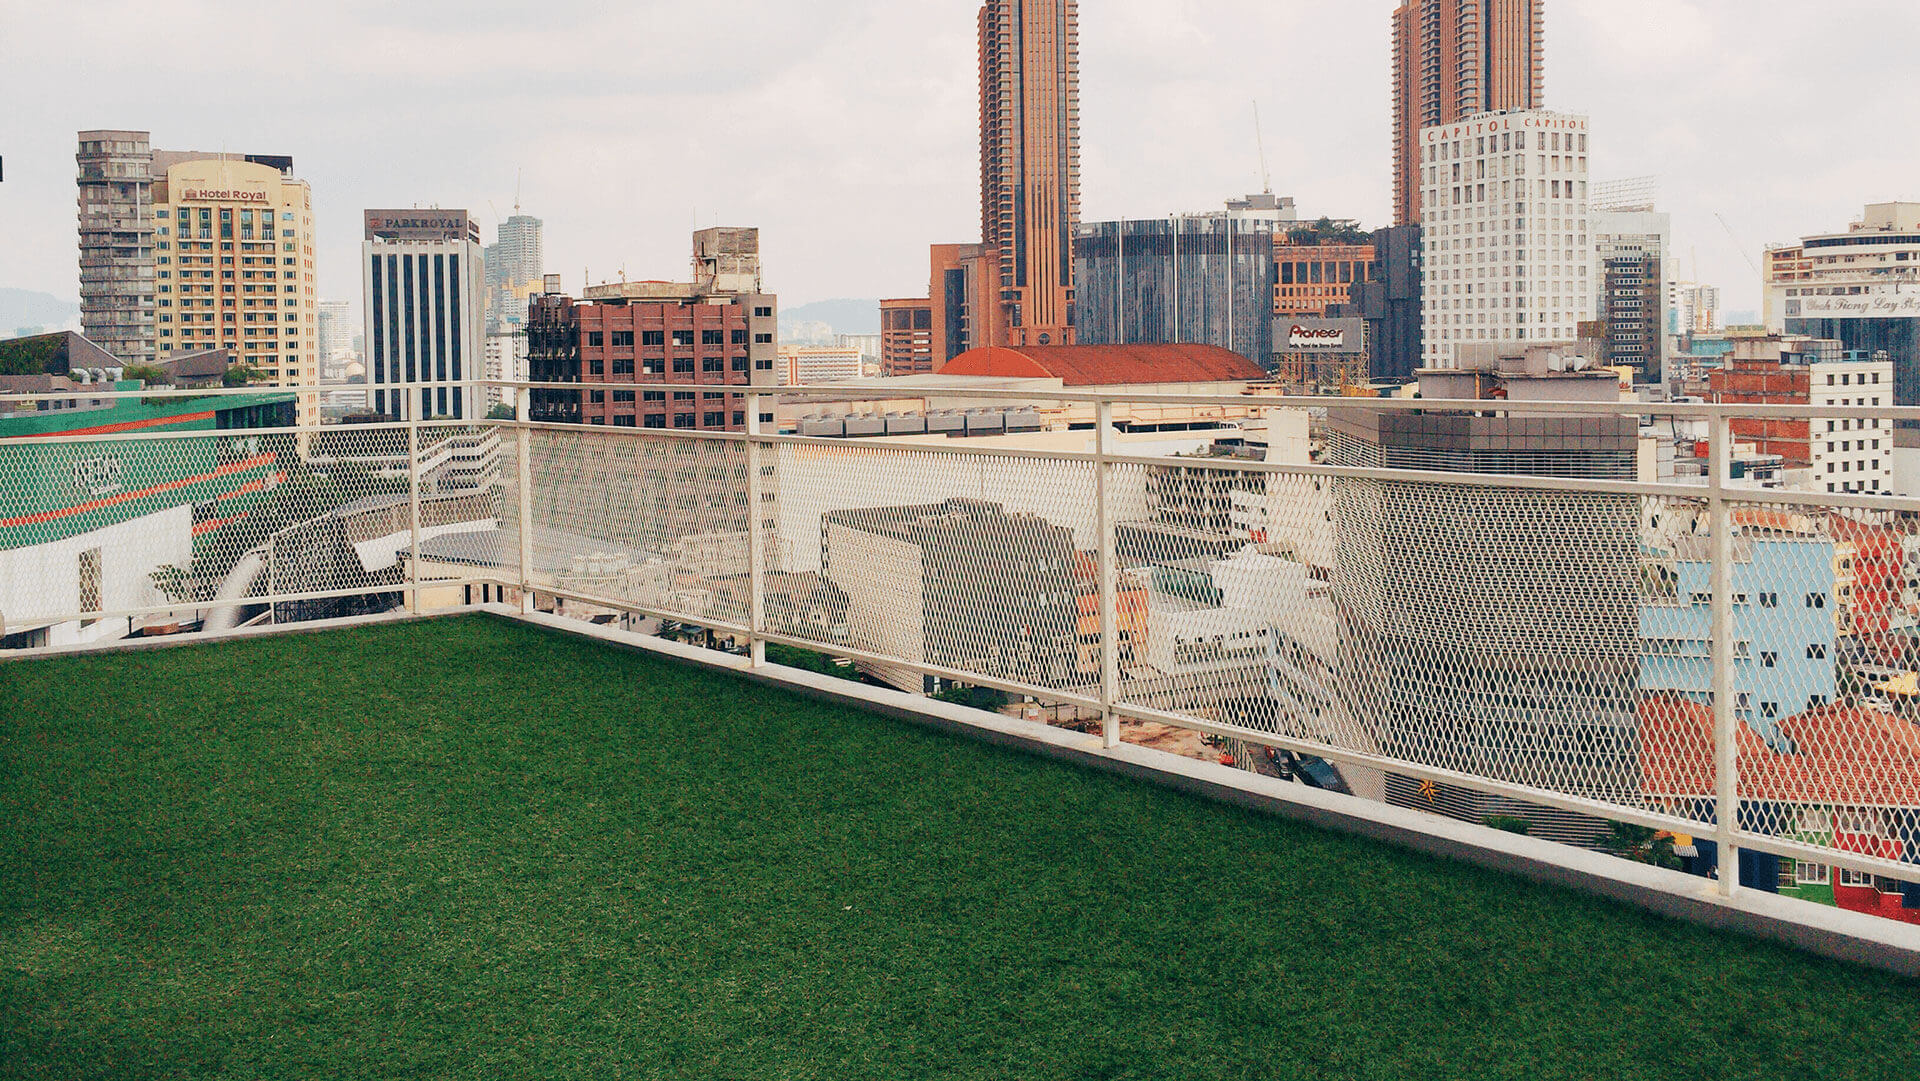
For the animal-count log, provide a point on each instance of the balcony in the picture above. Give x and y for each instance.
(1455, 614)
(301, 852)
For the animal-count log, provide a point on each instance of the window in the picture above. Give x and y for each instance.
(653, 337)
(714, 420)
(1855, 878)
(763, 313)
(1811, 874)
(683, 365)
(598, 397)
(683, 420)
(713, 364)
(713, 337)
(624, 421)
(1769, 659)
(623, 339)
(655, 396)
(623, 366)
(596, 339)
(763, 339)
(653, 366)
(626, 396)
(739, 364)
(739, 337)
(683, 337)
(1816, 600)
(1817, 651)
(763, 365)
(655, 420)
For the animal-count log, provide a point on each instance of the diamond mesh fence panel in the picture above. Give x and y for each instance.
(1824, 662)
(101, 538)
(658, 523)
(973, 562)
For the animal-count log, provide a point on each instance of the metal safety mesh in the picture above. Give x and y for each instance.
(306, 523)
(652, 522)
(971, 562)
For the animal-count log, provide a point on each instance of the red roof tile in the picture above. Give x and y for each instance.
(1843, 757)
(1109, 365)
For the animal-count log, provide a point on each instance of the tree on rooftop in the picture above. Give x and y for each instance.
(1328, 231)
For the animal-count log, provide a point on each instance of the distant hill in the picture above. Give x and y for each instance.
(844, 316)
(21, 308)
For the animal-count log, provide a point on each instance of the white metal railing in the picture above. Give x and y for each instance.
(1484, 640)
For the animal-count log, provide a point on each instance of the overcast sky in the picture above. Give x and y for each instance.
(846, 129)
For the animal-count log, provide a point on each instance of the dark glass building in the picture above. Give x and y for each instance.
(1201, 279)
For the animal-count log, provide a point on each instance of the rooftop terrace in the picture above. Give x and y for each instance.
(389, 851)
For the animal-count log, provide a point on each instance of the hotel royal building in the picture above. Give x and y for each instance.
(233, 248)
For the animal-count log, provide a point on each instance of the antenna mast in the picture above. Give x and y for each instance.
(1260, 140)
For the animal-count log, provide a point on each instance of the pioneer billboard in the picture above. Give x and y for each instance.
(1319, 335)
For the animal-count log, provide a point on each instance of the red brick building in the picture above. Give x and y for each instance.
(659, 354)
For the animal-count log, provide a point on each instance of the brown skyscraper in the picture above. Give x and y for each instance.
(1030, 164)
(1453, 59)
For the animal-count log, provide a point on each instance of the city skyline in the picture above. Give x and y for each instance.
(869, 166)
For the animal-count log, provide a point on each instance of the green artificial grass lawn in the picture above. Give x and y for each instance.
(465, 848)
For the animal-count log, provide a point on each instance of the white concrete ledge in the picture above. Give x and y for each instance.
(266, 630)
(1830, 932)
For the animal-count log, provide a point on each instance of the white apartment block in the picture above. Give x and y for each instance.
(1693, 308)
(1509, 256)
(1852, 455)
(806, 365)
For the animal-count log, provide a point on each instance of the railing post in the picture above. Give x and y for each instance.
(412, 413)
(522, 409)
(1109, 578)
(1726, 724)
(756, 538)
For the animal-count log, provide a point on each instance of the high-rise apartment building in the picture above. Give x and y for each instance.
(421, 272)
(1632, 242)
(1030, 161)
(660, 354)
(516, 263)
(1509, 257)
(1016, 286)
(1632, 309)
(234, 262)
(336, 331)
(116, 243)
(1453, 60)
(1692, 309)
(187, 251)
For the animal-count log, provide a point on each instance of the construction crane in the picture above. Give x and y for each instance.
(1748, 255)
